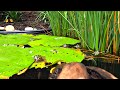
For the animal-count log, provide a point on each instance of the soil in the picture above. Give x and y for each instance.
(27, 20)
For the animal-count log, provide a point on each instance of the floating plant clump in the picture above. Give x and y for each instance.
(13, 58)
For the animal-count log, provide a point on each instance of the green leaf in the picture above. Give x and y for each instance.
(56, 54)
(47, 40)
(14, 39)
(13, 59)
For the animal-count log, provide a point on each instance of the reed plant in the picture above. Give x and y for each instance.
(97, 30)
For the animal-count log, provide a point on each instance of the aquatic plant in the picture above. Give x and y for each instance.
(47, 40)
(14, 39)
(15, 59)
(53, 55)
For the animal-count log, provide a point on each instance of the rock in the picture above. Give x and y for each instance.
(2, 28)
(9, 28)
(29, 28)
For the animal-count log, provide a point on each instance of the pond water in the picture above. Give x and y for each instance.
(112, 66)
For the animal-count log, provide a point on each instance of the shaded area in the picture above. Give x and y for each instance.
(112, 67)
(33, 74)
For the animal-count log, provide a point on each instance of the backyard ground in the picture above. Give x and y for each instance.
(27, 19)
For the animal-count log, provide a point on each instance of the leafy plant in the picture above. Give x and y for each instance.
(15, 15)
(42, 16)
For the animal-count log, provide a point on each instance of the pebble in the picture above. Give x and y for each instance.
(29, 28)
(9, 28)
(2, 28)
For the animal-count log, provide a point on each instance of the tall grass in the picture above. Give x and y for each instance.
(97, 30)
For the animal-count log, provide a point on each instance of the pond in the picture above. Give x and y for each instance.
(32, 55)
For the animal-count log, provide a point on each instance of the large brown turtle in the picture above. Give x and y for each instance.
(80, 71)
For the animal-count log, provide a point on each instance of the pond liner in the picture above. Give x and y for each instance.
(40, 31)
